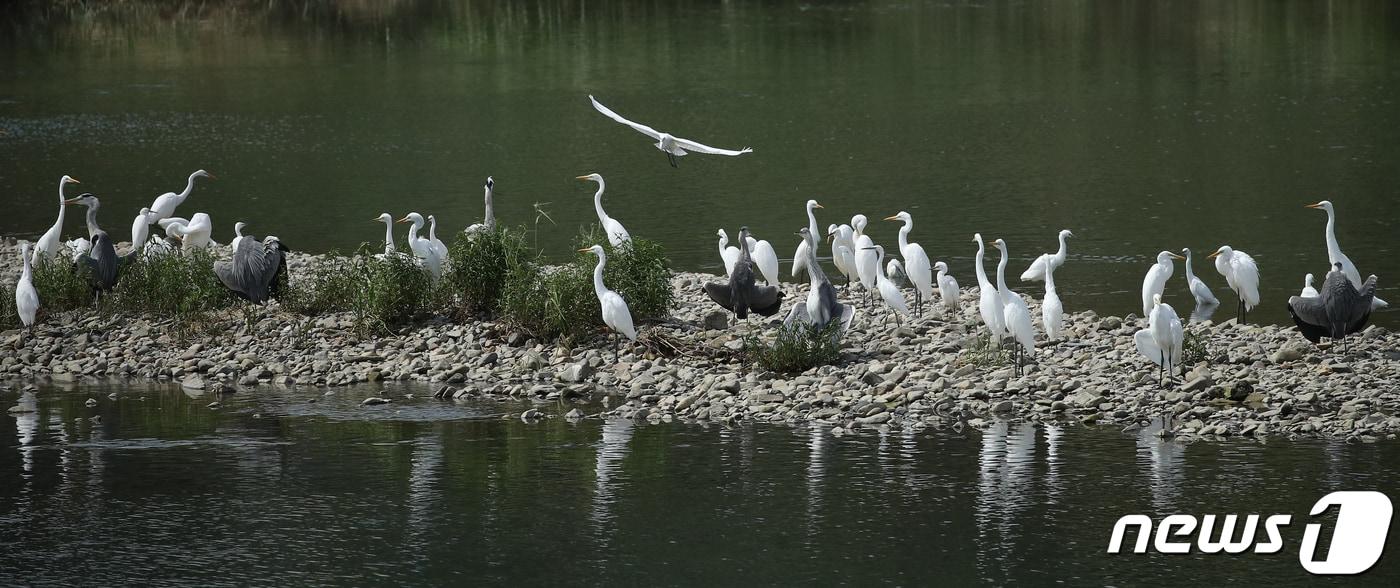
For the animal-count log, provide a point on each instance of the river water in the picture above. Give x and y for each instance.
(1140, 126)
(280, 487)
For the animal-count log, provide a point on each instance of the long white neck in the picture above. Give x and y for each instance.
(598, 204)
(61, 207)
(1334, 250)
(812, 221)
(413, 231)
(189, 187)
(1001, 275)
(1050, 277)
(598, 287)
(904, 235)
(1063, 248)
(490, 212)
(432, 229)
(880, 266)
(26, 274)
(388, 233)
(982, 280)
(723, 241)
(1190, 276)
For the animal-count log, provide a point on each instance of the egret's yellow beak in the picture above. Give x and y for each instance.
(1315, 205)
(74, 180)
(402, 220)
(585, 250)
(1213, 255)
(1175, 256)
(581, 177)
(70, 200)
(892, 218)
(816, 206)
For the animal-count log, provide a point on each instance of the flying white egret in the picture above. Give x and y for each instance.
(616, 315)
(673, 146)
(195, 233)
(766, 259)
(47, 245)
(616, 234)
(866, 265)
(438, 245)
(1241, 274)
(1052, 311)
(1047, 261)
(1016, 316)
(26, 297)
(1155, 282)
(888, 290)
(1308, 290)
(237, 235)
(1161, 341)
(843, 251)
(916, 262)
(164, 205)
(1199, 289)
(799, 259)
(947, 286)
(489, 224)
(728, 253)
(1335, 255)
(989, 302)
(422, 247)
(388, 221)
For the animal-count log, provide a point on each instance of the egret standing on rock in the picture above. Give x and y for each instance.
(1155, 282)
(947, 287)
(1161, 343)
(164, 205)
(47, 245)
(1338, 310)
(616, 315)
(26, 297)
(989, 302)
(1242, 275)
(799, 259)
(765, 259)
(421, 247)
(1047, 261)
(843, 251)
(673, 146)
(1016, 315)
(1052, 311)
(1334, 251)
(616, 234)
(916, 262)
(729, 254)
(741, 294)
(866, 264)
(1199, 290)
(888, 290)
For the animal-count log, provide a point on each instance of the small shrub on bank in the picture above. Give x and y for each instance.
(984, 353)
(177, 284)
(1194, 349)
(381, 291)
(62, 285)
(637, 270)
(9, 313)
(795, 348)
(479, 265)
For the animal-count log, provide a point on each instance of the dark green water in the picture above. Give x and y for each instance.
(1141, 126)
(273, 488)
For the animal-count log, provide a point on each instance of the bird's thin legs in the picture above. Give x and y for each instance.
(672, 158)
(615, 347)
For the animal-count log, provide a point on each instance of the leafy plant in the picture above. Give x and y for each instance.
(62, 285)
(176, 284)
(381, 290)
(479, 266)
(795, 348)
(551, 302)
(1194, 349)
(983, 353)
(637, 270)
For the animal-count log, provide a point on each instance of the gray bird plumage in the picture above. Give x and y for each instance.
(253, 272)
(1338, 310)
(101, 260)
(823, 296)
(742, 293)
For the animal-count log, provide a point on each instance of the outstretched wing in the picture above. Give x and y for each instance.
(639, 127)
(1309, 315)
(765, 300)
(720, 294)
(1361, 312)
(689, 145)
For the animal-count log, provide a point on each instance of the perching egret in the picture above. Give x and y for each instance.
(253, 271)
(1161, 341)
(1335, 255)
(489, 224)
(947, 287)
(821, 306)
(1155, 282)
(141, 229)
(728, 253)
(196, 233)
(437, 244)
(164, 205)
(78, 247)
(1199, 289)
(1241, 274)
(1338, 311)
(916, 262)
(388, 221)
(799, 259)
(422, 247)
(1016, 316)
(101, 261)
(843, 251)
(615, 312)
(237, 236)
(989, 302)
(616, 234)
(765, 259)
(866, 265)
(47, 245)
(888, 290)
(26, 297)
(1052, 311)
(741, 294)
(1047, 261)
(1308, 290)
(673, 146)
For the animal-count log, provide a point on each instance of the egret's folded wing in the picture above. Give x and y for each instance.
(641, 128)
(174, 220)
(1142, 339)
(689, 145)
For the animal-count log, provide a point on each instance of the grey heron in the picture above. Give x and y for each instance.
(742, 293)
(101, 260)
(616, 315)
(1338, 310)
(253, 272)
(821, 306)
(671, 145)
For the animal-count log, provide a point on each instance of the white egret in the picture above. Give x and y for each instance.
(77, 248)
(728, 253)
(1052, 311)
(489, 224)
(916, 262)
(1308, 290)
(765, 258)
(422, 247)
(141, 229)
(843, 251)
(1241, 274)
(1047, 260)
(237, 235)
(616, 234)
(867, 267)
(1334, 251)
(47, 245)
(1199, 289)
(195, 233)
(437, 244)
(888, 290)
(989, 302)
(164, 205)
(673, 146)
(388, 221)
(1155, 282)
(26, 297)
(1016, 316)
(1338, 311)
(947, 287)
(616, 315)
(1161, 341)
(799, 259)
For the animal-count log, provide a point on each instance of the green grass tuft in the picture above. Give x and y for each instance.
(984, 353)
(637, 270)
(178, 284)
(480, 265)
(1194, 349)
(62, 286)
(382, 291)
(795, 348)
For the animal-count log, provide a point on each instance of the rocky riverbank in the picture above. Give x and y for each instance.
(1254, 381)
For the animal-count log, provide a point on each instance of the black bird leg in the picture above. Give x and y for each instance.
(672, 157)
